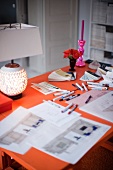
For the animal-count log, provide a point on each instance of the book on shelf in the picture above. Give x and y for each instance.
(99, 12)
(109, 41)
(110, 14)
(60, 75)
(98, 36)
(97, 54)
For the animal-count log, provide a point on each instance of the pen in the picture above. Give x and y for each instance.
(79, 86)
(66, 108)
(84, 87)
(74, 107)
(88, 99)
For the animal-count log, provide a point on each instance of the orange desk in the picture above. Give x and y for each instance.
(35, 159)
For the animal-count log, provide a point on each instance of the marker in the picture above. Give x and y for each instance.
(69, 97)
(68, 94)
(84, 87)
(98, 84)
(92, 83)
(66, 108)
(61, 97)
(88, 99)
(79, 86)
(65, 98)
(60, 93)
(100, 88)
(72, 97)
(74, 107)
(75, 86)
(55, 89)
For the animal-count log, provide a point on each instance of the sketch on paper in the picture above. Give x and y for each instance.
(76, 134)
(18, 133)
(109, 109)
(101, 107)
(68, 143)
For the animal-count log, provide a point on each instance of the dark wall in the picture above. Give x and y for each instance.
(7, 11)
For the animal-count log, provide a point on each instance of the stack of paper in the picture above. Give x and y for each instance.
(45, 87)
(101, 107)
(102, 70)
(63, 136)
(90, 76)
(60, 75)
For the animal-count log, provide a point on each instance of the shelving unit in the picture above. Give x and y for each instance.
(101, 31)
(101, 38)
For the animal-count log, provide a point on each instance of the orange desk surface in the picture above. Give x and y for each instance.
(35, 159)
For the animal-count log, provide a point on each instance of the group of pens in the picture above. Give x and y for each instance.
(68, 95)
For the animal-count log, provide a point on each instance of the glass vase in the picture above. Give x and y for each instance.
(72, 64)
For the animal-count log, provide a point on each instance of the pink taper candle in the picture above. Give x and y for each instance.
(82, 30)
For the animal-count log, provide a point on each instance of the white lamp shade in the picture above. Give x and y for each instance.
(19, 42)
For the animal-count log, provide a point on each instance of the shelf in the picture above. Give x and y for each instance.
(101, 31)
(100, 23)
(92, 47)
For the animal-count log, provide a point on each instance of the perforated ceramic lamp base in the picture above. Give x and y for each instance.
(13, 80)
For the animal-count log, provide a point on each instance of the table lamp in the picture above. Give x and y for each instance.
(16, 41)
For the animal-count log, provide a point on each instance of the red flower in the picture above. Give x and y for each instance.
(72, 53)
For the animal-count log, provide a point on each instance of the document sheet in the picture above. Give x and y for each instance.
(101, 107)
(51, 112)
(67, 141)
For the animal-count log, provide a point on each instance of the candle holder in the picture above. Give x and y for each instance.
(80, 61)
